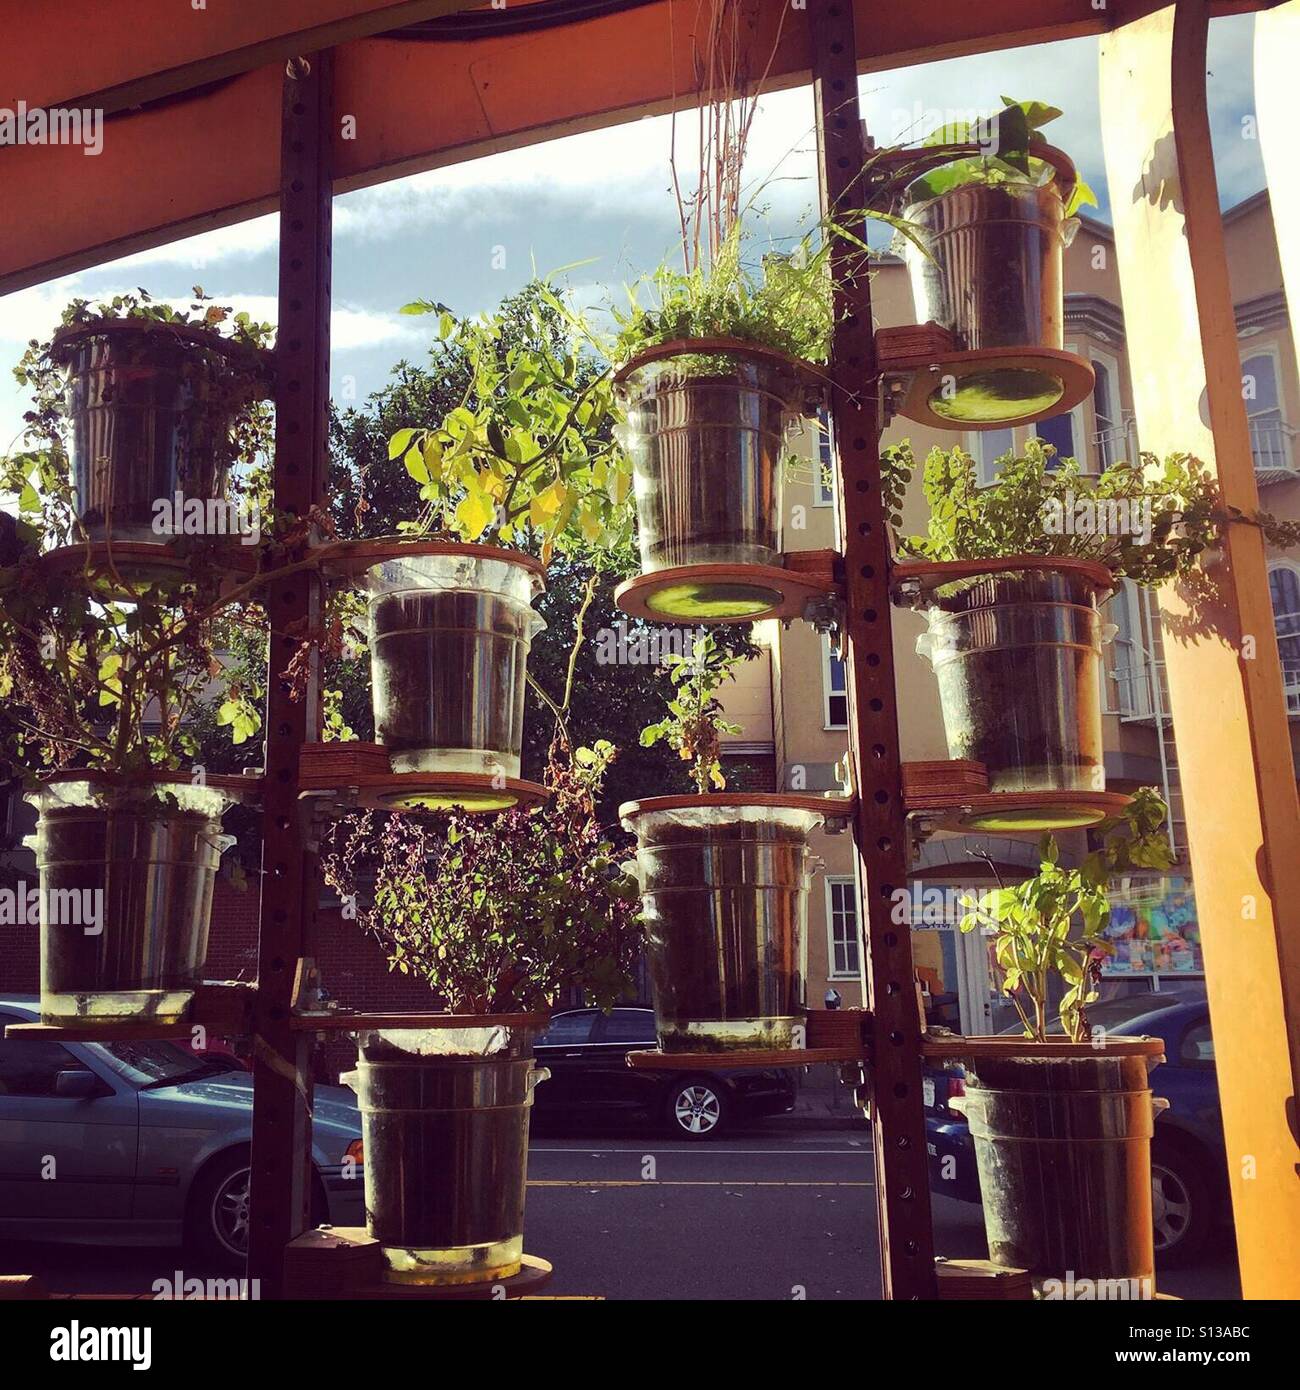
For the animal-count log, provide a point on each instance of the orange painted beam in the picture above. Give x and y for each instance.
(119, 54)
(1225, 681)
(193, 164)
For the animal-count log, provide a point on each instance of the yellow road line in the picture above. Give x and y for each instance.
(681, 1182)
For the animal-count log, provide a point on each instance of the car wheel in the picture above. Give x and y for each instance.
(1180, 1203)
(697, 1108)
(218, 1212)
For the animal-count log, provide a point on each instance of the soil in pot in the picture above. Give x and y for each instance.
(1063, 1148)
(449, 640)
(151, 411)
(1018, 661)
(126, 880)
(445, 1128)
(706, 434)
(724, 896)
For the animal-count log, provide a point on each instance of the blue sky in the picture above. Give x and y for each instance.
(471, 234)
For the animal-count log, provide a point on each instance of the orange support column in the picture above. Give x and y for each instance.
(1225, 683)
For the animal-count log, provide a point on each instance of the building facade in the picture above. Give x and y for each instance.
(794, 693)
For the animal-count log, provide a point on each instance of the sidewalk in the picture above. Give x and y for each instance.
(823, 1102)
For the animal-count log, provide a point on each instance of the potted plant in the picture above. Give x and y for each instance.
(1014, 578)
(497, 918)
(985, 257)
(136, 404)
(1062, 1117)
(97, 698)
(724, 884)
(525, 463)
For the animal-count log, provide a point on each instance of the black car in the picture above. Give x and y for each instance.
(586, 1050)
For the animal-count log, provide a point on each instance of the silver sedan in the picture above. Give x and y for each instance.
(143, 1143)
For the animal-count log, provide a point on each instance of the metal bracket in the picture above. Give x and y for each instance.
(825, 613)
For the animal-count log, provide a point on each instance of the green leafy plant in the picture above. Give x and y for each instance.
(694, 724)
(498, 915)
(1006, 137)
(1147, 522)
(1053, 925)
(527, 457)
(38, 471)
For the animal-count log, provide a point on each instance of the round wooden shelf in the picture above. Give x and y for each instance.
(922, 577)
(533, 1274)
(766, 1060)
(352, 559)
(1004, 1046)
(339, 1022)
(838, 808)
(992, 388)
(414, 792)
(118, 569)
(709, 594)
(1017, 812)
(98, 1030)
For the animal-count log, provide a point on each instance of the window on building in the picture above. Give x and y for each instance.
(1111, 437)
(835, 690)
(1284, 590)
(1268, 443)
(1130, 673)
(1058, 431)
(842, 927)
(824, 483)
(987, 447)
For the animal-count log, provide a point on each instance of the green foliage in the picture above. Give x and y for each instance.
(500, 914)
(1147, 522)
(1054, 924)
(526, 456)
(784, 303)
(1007, 137)
(694, 722)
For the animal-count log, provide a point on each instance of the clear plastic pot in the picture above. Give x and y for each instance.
(724, 900)
(993, 276)
(449, 640)
(151, 410)
(444, 1116)
(1018, 661)
(126, 878)
(706, 434)
(1063, 1148)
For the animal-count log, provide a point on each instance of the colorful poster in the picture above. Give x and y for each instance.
(1153, 927)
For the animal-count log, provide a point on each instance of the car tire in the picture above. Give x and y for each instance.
(1181, 1205)
(697, 1108)
(217, 1213)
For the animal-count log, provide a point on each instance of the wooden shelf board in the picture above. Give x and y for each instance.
(1003, 1046)
(750, 593)
(339, 1022)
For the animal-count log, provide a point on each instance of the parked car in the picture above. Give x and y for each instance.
(142, 1143)
(586, 1051)
(1188, 1159)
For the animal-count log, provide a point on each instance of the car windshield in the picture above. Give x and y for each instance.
(1113, 1015)
(153, 1064)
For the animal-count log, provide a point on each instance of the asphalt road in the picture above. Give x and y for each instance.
(776, 1212)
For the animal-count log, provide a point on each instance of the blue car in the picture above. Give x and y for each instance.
(143, 1143)
(1188, 1159)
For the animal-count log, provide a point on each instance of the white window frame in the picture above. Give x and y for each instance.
(1077, 423)
(1269, 350)
(827, 692)
(823, 494)
(1292, 691)
(1093, 460)
(1131, 597)
(975, 448)
(832, 881)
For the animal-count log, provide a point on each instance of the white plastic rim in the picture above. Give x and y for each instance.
(460, 573)
(188, 797)
(647, 823)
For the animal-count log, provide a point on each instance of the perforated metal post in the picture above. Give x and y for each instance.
(897, 1117)
(281, 1160)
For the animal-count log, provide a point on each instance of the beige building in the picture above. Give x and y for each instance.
(791, 702)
